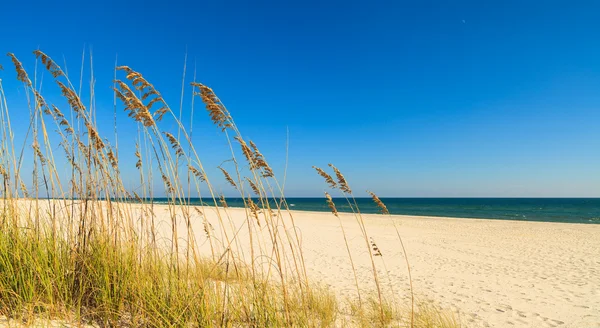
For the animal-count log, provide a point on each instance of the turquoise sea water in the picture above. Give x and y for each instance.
(572, 210)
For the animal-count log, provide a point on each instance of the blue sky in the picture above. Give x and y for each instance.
(416, 99)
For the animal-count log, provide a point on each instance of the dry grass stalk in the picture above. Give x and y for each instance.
(217, 111)
(253, 186)
(51, 66)
(168, 184)
(260, 161)
(384, 210)
(138, 155)
(112, 159)
(379, 203)
(95, 137)
(138, 198)
(222, 201)
(207, 227)
(341, 180)
(228, 177)
(197, 173)
(62, 121)
(376, 250)
(331, 204)
(198, 211)
(136, 108)
(148, 90)
(247, 152)
(72, 98)
(254, 209)
(24, 189)
(41, 103)
(175, 144)
(57, 112)
(327, 177)
(3, 172)
(21, 73)
(38, 152)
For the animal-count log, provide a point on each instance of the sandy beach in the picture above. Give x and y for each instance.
(494, 273)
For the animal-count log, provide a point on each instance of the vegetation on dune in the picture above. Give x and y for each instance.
(74, 247)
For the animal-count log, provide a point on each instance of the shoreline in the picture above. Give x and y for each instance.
(530, 215)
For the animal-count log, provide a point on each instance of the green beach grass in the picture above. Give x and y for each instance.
(73, 249)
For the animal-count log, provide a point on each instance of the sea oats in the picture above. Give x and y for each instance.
(72, 98)
(38, 152)
(222, 201)
(197, 173)
(327, 177)
(137, 80)
(83, 148)
(228, 177)
(138, 155)
(153, 101)
(207, 226)
(376, 250)
(254, 209)
(331, 204)
(24, 189)
(198, 211)
(217, 111)
(21, 74)
(41, 103)
(133, 105)
(247, 152)
(95, 137)
(57, 112)
(150, 93)
(174, 143)
(168, 184)
(341, 180)
(253, 186)
(159, 113)
(137, 197)
(379, 203)
(112, 159)
(51, 66)
(260, 161)
(3, 172)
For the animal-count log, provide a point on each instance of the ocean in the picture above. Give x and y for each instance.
(570, 210)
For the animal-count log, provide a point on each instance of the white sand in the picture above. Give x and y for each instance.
(494, 273)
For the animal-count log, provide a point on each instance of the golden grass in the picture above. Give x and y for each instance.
(89, 255)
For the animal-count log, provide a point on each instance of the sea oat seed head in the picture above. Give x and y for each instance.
(341, 180)
(379, 203)
(331, 204)
(376, 250)
(21, 73)
(217, 111)
(222, 201)
(327, 177)
(228, 177)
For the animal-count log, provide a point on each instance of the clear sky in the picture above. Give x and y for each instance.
(419, 98)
